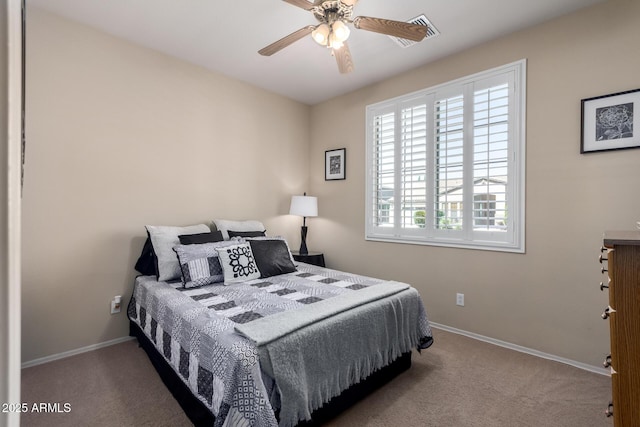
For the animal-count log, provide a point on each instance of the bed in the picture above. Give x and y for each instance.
(287, 349)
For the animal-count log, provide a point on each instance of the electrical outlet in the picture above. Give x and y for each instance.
(116, 304)
(460, 300)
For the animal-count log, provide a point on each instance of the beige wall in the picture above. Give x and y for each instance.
(548, 298)
(119, 136)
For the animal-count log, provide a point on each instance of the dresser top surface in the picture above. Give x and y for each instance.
(612, 238)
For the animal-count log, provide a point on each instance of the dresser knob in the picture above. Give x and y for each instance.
(603, 270)
(601, 259)
(607, 361)
(603, 286)
(609, 411)
(603, 249)
(607, 311)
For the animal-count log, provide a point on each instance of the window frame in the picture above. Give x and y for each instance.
(511, 240)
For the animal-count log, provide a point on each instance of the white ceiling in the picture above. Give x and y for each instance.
(225, 35)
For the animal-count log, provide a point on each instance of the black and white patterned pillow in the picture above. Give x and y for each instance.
(238, 264)
(163, 239)
(199, 263)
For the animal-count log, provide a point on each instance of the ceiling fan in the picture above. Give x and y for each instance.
(333, 32)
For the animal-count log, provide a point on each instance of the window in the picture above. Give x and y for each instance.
(445, 165)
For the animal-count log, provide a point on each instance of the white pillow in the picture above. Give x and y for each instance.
(238, 264)
(163, 239)
(224, 225)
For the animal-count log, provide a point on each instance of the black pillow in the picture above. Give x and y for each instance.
(195, 239)
(246, 233)
(147, 263)
(272, 257)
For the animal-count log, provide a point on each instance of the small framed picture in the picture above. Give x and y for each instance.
(607, 122)
(335, 164)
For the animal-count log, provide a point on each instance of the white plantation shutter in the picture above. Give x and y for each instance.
(491, 158)
(449, 167)
(384, 167)
(413, 164)
(446, 165)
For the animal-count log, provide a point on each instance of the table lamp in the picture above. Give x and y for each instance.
(304, 206)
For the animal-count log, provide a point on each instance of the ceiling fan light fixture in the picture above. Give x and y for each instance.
(340, 31)
(321, 34)
(334, 42)
(335, 45)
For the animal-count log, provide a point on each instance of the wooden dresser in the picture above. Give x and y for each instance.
(623, 313)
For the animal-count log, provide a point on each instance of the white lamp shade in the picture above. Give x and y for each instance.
(340, 31)
(334, 42)
(304, 206)
(321, 34)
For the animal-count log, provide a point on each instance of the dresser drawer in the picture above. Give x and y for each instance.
(623, 315)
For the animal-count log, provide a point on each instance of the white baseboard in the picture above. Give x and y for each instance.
(521, 349)
(70, 353)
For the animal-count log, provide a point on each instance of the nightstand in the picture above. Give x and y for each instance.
(315, 258)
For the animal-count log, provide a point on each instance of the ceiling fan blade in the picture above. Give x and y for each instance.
(286, 41)
(343, 58)
(399, 29)
(301, 3)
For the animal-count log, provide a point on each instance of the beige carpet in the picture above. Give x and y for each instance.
(458, 382)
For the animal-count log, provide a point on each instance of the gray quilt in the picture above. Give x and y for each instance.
(194, 329)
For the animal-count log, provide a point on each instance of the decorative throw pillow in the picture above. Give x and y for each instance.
(199, 263)
(224, 225)
(274, 238)
(246, 233)
(238, 264)
(272, 257)
(147, 262)
(196, 239)
(163, 240)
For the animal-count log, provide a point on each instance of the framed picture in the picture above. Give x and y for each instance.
(607, 122)
(335, 163)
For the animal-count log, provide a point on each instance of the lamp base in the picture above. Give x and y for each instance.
(303, 243)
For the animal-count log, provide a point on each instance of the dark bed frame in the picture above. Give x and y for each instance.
(201, 416)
